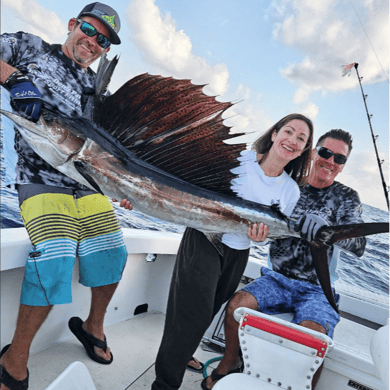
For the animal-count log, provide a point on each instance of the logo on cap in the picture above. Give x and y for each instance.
(109, 20)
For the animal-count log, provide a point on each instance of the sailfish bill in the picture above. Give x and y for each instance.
(159, 142)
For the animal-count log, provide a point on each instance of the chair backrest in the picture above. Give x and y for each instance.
(379, 349)
(75, 377)
(278, 352)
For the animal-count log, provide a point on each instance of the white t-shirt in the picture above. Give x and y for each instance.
(252, 184)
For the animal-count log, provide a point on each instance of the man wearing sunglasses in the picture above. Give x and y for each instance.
(290, 283)
(56, 210)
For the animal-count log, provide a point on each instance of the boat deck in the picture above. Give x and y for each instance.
(135, 339)
(135, 343)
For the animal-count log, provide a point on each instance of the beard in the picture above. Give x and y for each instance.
(84, 58)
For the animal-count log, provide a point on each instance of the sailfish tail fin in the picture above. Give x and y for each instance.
(319, 253)
(329, 235)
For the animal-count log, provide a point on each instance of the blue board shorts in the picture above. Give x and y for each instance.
(276, 294)
(62, 224)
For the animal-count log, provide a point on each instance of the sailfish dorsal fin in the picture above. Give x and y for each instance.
(172, 125)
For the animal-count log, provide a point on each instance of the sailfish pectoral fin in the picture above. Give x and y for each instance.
(320, 261)
(81, 169)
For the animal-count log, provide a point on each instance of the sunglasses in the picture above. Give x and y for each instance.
(90, 30)
(326, 154)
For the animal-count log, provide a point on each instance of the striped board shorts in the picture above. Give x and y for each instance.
(62, 224)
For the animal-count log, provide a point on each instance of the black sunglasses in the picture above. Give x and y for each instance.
(326, 154)
(90, 30)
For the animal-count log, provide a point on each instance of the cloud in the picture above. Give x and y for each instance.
(248, 118)
(243, 92)
(37, 20)
(332, 33)
(301, 94)
(243, 116)
(311, 111)
(169, 50)
(362, 174)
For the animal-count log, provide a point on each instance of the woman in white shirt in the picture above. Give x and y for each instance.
(208, 271)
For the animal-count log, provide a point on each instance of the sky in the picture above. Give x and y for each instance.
(271, 58)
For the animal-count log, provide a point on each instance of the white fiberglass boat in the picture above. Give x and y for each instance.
(135, 319)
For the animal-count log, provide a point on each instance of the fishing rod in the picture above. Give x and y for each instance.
(373, 137)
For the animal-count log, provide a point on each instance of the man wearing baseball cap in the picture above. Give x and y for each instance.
(107, 16)
(63, 218)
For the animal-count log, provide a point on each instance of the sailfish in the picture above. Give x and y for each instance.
(160, 142)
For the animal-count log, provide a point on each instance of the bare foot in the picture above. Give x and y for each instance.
(195, 364)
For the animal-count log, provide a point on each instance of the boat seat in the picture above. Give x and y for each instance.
(379, 349)
(75, 377)
(277, 354)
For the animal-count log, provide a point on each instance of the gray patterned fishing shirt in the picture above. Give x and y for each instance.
(61, 82)
(338, 205)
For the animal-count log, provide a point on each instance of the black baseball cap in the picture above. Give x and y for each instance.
(107, 15)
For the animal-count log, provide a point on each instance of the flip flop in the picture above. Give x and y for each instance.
(199, 370)
(7, 380)
(89, 341)
(216, 377)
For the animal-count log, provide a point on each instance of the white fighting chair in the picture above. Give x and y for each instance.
(277, 354)
(75, 377)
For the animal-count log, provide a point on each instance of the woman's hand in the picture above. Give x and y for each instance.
(124, 203)
(257, 232)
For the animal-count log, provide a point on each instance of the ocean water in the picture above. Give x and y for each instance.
(369, 273)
